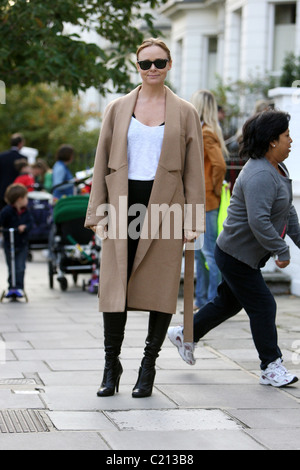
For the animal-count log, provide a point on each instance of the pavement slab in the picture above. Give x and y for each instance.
(51, 365)
(181, 441)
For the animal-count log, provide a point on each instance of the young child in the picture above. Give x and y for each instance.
(25, 175)
(15, 215)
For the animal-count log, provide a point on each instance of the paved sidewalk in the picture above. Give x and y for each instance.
(51, 362)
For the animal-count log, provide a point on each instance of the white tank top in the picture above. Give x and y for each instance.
(144, 145)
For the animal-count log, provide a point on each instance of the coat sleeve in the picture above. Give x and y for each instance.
(194, 178)
(98, 194)
(259, 206)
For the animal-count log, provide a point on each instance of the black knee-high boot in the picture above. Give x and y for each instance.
(158, 328)
(114, 329)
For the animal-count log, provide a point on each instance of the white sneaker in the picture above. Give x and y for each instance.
(186, 350)
(277, 375)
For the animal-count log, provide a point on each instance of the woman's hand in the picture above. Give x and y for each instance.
(101, 231)
(190, 236)
(282, 264)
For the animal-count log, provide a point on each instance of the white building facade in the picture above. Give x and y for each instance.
(239, 40)
(235, 39)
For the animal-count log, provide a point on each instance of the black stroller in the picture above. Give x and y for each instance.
(41, 209)
(73, 249)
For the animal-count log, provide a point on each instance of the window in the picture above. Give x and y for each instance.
(284, 33)
(285, 14)
(212, 61)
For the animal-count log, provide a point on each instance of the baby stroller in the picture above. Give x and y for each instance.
(72, 247)
(41, 209)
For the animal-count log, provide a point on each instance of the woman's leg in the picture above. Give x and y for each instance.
(261, 308)
(208, 274)
(224, 306)
(157, 331)
(209, 247)
(242, 287)
(202, 281)
(114, 330)
(249, 288)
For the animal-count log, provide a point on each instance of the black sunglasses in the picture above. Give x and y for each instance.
(147, 64)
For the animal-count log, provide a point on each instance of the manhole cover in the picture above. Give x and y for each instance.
(22, 421)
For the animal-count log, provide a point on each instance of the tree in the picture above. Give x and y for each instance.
(290, 70)
(240, 97)
(36, 46)
(48, 116)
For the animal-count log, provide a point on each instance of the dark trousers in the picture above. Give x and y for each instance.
(20, 264)
(242, 287)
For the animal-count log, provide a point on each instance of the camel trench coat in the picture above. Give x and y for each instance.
(155, 278)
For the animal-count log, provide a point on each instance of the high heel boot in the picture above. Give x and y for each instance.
(114, 328)
(158, 328)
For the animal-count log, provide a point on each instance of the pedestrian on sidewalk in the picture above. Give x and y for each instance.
(8, 171)
(61, 173)
(208, 274)
(26, 176)
(260, 215)
(16, 215)
(150, 152)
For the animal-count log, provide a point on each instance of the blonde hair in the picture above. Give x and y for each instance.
(154, 42)
(207, 108)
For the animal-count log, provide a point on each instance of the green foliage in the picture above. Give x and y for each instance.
(39, 45)
(290, 70)
(238, 98)
(48, 116)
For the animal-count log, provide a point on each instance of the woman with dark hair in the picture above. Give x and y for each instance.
(61, 173)
(260, 215)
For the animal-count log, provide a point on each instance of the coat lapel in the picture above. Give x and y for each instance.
(117, 181)
(170, 154)
(166, 182)
(118, 154)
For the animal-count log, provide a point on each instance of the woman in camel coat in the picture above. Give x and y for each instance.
(143, 272)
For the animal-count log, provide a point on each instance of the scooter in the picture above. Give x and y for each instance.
(13, 294)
